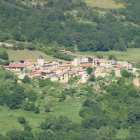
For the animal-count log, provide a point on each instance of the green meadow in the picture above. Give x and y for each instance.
(27, 54)
(103, 3)
(9, 118)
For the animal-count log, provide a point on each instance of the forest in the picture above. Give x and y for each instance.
(56, 24)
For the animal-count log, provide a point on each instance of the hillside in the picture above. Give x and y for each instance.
(54, 24)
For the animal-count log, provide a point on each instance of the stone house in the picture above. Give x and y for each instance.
(60, 70)
(44, 75)
(66, 52)
(36, 74)
(14, 66)
(125, 64)
(65, 77)
(105, 63)
(86, 60)
(86, 65)
(29, 61)
(76, 68)
(76, 62)
(21, 61)
(84, 78)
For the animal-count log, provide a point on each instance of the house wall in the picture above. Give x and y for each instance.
(64, 78)
(15, 69)
(76, 62)
(84, 78)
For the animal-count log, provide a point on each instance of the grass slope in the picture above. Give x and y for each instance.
(103, 3)
(9, 118)
(27, 54)
(122, 134)
(132, 55)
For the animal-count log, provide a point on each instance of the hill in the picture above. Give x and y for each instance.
(54, 24)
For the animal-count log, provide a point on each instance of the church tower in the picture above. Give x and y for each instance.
(40, 60)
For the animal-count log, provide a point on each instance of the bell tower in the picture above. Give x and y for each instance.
(40, 60)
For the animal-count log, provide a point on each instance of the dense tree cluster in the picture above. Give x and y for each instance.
(54, 24)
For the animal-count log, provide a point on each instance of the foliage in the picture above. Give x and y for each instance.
(92, 77)
(112, 57)
(26, 79)
(21, 119)
(125, 73)
(89, 70)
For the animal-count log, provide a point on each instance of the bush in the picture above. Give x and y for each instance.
(92, 77)
(22, 120)
(36, 110)
(125, 73)
(89, 70)
(26, 79)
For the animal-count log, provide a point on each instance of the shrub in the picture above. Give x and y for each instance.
(21, 119)
(36, 110)
(89, 70)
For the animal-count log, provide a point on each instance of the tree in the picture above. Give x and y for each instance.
(125, 73)
(5, 55)
(42, 83)
(20, 46)
(36, 110)
(89, 70)
(27, 127)
(26, 79)
(21, 119)
(112, 57)
(92, 77)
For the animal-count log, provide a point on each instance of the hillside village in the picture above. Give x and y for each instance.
(55, 70)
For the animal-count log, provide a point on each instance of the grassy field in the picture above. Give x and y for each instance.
(132, 55)
(9, 118)
(122, 133)
(103, 3)
(27, 54)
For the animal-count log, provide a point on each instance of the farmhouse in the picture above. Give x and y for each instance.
(65, 77)
(14, 66)
(125, 64)
(66, 52)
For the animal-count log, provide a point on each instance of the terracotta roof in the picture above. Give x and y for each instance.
(36, 72)
(86, 65)
(14, 65)
(118, 66)
(61, 68)
(76, 67)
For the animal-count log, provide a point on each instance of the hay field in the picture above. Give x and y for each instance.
(103, 3)
(27, 54)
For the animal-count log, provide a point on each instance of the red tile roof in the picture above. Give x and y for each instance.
(86, 65)
(36, 72)
(61, 68)
(118, 66)
(14, 65)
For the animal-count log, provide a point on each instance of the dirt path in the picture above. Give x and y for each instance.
(9, 45)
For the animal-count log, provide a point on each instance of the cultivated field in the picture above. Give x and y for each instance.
(9, 118)
(132, 55)
(27, 54)
(103, 3)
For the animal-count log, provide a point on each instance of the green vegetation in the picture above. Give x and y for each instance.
(27, 54)
(62, 31)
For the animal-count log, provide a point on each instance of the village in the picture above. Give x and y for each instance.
(57, 71)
